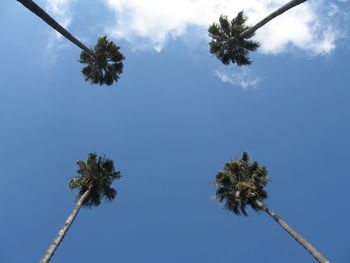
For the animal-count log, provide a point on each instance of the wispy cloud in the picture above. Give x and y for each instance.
(152, 23)
(242, 77)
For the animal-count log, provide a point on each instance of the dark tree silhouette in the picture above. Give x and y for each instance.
(94, 184)
(106, 64)
(242, 183)
(230, 39)
(227, 44)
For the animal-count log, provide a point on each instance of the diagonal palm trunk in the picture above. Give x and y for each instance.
(51, 250)
(33, 7)
(317, 255)
(271, 16)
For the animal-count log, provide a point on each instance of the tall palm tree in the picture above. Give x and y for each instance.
(230, 42)
(241, 183)
(107, 51)
(94, 184)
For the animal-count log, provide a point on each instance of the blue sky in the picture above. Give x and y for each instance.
(170, 123)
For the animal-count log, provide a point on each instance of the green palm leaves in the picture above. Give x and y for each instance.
(227, 42)
(230, 39)
(97, 175)
(105, 66)
(241, 183)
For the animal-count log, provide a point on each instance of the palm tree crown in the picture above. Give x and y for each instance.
(227, 42)
(241, 183)
(96, 175)
(106, 65)
(230, 40)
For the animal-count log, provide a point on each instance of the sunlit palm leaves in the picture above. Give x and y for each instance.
(228, 44)
(106, 65)
(97, 174)
(241, 183)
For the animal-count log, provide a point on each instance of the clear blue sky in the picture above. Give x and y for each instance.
(169, 124)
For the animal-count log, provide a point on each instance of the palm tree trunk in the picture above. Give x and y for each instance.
(33, 7)
(271, 16)
(51, 250)
(317, 255)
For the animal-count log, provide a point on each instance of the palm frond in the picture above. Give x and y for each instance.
(75, 182)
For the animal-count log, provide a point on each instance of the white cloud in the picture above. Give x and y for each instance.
(238, 76)
(314, 26)
(151, 23)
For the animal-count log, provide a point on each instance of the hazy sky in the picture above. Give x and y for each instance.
(170, 124)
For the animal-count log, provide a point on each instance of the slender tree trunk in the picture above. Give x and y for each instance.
(51, 250)
(33, 7)
(317, 255)
(271, 16)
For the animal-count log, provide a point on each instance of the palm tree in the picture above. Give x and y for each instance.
(106, 66)
(227, 44)
(100, 60)
(230, 42)
(94, 184)
(241, 183)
